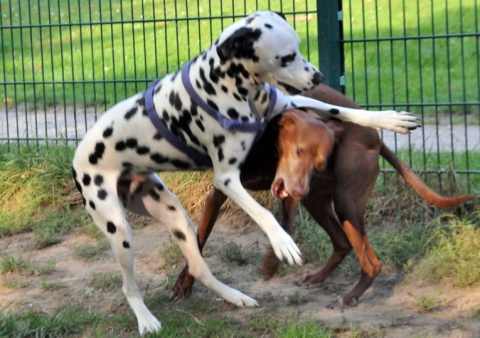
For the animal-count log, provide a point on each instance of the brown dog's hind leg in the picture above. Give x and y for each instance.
(369, 264)
(355, 181)
(215, 199)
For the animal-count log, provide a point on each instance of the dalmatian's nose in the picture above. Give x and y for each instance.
(317, 78)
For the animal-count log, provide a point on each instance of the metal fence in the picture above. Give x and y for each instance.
(63, 62)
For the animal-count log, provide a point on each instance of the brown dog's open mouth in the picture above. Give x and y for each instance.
(279, 190)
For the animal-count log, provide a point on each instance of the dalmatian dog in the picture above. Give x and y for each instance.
(207, 115)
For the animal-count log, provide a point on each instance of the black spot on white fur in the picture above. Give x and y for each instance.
(77, 184)
(130, 113)
(180, 235)
(143, 150)
(153, 194)
(108, 132)
(98, 180)
(102, 194)
(98, 153)
(86, 180)
(111, 228)
(126, 245)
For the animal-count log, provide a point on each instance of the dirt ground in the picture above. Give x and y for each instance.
(387, 309)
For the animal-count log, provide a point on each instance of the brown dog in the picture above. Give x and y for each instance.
(347, 181)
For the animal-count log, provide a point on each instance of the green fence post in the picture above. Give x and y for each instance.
(330, 48)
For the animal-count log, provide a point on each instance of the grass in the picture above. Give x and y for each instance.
(170, 253)
(92, 54)
(427, 303)
(33, 182)
(454, 255)
(14, 264)
(105, 281)
(237, 255)
(67, 321)
(178, 321)
(90, 251)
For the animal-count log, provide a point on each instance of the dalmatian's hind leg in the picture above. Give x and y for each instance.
(155, 200)
(107, 212)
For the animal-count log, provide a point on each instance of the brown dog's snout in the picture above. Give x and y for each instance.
(317, 78)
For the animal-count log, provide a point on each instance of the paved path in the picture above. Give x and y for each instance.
(71, 125)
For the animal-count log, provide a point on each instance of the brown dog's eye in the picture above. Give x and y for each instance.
(299, 151)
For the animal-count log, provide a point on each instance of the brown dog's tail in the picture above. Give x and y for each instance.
(418, 185)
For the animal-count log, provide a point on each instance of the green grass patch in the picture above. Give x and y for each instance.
(34, 184)
(90, 251)
(171, 253)
(68, 321)
(454, 255)
(304, 329)
(236, 254)
(15, 264)
(106, 281)
(397, 247)
(179, 320)
(427, 303)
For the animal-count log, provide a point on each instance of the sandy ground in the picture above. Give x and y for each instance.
(386, 310)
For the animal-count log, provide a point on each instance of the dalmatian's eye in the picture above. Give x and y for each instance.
(285, 60)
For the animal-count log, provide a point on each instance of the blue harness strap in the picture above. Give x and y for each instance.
(226, 123)
(198, 157)
(202, 159)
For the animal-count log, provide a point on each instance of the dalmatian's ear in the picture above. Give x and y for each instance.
(281, 15)
(239, 44)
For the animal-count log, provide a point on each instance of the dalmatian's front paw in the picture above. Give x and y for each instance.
(148, 324)
(239, 299)
(400, 122)
(285, 248)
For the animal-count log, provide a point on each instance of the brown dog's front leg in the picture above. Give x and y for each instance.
(214, 201)
(270, 263)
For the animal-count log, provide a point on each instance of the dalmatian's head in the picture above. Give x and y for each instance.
(268, 48)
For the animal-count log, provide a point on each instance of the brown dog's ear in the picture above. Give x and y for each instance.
(336, 126)
(288, 120)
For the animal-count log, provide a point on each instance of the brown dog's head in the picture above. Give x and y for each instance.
(304, 144)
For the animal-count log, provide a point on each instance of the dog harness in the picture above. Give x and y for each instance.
(258, 126)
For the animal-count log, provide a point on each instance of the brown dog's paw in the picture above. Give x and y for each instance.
(183, 286)
(304, 281)
(269, 266)
(310, 280)
(341, 303)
